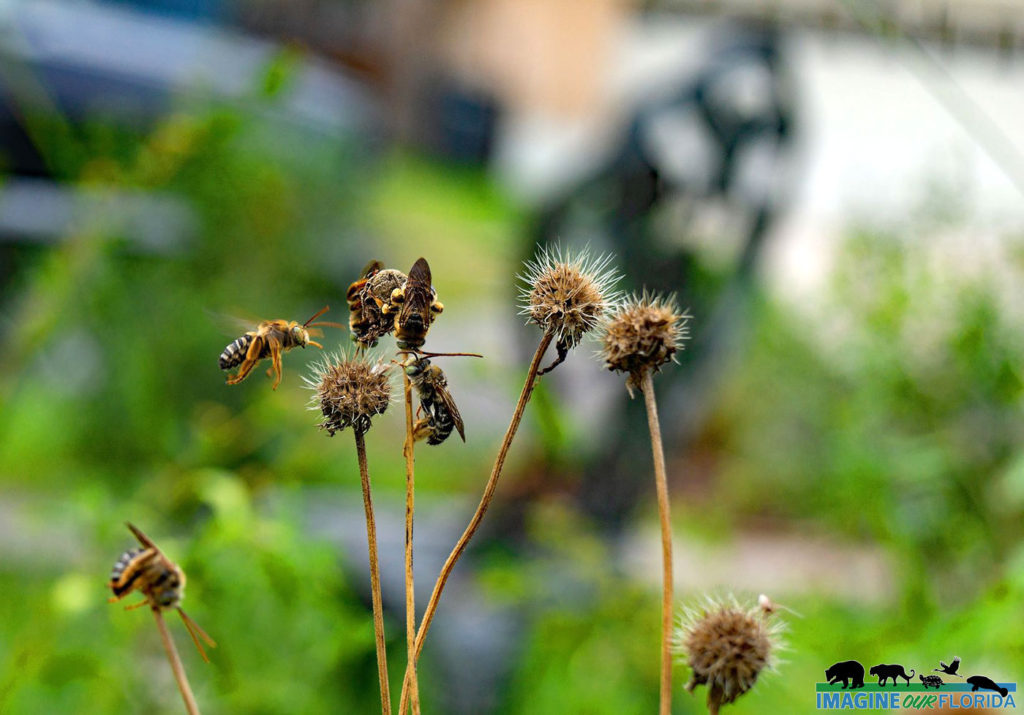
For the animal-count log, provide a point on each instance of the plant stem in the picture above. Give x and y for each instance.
(661, 483)
(474, 523)
(176, 666)
(378, 610)
(410, 594)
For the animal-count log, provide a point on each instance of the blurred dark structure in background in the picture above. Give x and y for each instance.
(722, 143)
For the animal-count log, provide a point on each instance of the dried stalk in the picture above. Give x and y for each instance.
(179, 670)
(474, 523)
(378, 610)
(410, 594)
(661, 484)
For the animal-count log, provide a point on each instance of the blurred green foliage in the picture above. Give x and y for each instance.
(892, 419)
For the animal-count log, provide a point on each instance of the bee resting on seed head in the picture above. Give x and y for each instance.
(643, 334)
(350, 391)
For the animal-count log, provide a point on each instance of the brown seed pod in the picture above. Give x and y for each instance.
(643, 334)
(726, 647)
(568, 295)
(349, 391)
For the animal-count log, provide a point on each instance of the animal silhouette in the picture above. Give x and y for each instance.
(846, 671)
(885, 672)
(931, 681)
(980, 681)
(949, 669)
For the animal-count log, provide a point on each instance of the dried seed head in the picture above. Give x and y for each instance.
(726, 646)
(643, 334)
(568, 296)
(349, 391)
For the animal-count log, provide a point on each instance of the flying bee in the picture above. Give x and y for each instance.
(160, 580)
(269, 340)
(369, 302)
(417, 307)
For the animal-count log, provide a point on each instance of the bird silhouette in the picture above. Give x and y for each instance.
(949, 669)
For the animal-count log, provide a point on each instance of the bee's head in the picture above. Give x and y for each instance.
(300, 335)
(414, 365)
(171, 590)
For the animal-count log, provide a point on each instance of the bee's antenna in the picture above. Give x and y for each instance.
(317, 315)
(193, 629)
(326, 322)
(432, 355)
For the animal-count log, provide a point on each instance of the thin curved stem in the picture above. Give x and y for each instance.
(474, 523)
(661, 484)
(179, 670)
(410, 593)
(378, 610)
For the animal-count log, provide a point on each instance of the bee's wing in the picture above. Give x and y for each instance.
(370, 268)
(420, 272)
(417, 292)
(143, 539)
(449, 402)
(231, 324)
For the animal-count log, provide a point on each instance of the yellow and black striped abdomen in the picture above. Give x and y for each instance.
(234, 353)
(127, 570)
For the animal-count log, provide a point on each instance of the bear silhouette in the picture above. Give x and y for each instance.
(980, 681)
(846, 671)
(931, 681)
(886, 672)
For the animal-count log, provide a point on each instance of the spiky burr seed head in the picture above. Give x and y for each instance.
(349, 391)
(567, 295)
(726, 647)
(643, 334)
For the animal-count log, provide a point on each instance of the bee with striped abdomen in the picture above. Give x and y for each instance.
(362, 314)
(369, 303)
(417, 307)
(436, 401)
(160, 580)
(269, 340)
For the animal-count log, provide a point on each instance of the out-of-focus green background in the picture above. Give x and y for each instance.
(859, 458)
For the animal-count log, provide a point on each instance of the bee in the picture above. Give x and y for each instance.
(369, 301)
(435, 400)
(161, 582)
(417, 306)
(269, 340)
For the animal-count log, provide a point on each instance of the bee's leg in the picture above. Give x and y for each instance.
(316, 344)
(252, 357)
(421, 430)
(140, 604)
(563, 351)
(275, 357)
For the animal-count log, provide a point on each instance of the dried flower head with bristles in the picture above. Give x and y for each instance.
(727, 646)
(349, 391)
(643, 334)
(567, 296)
